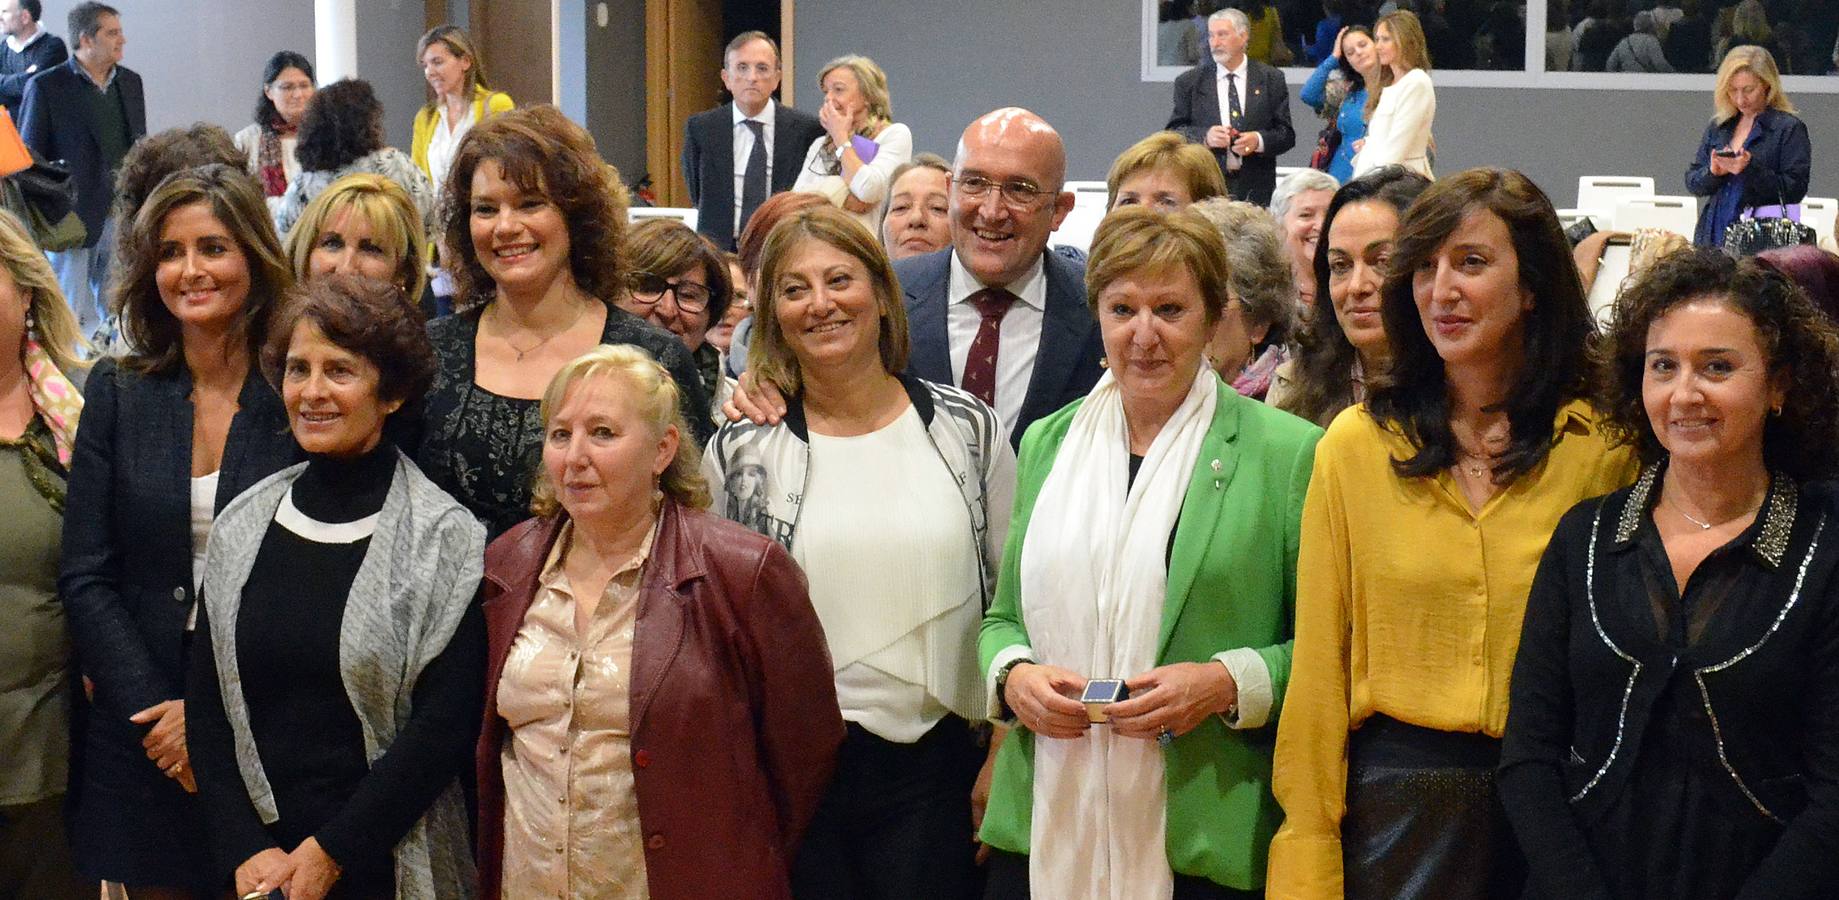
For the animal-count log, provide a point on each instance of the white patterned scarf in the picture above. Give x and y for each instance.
(1094, 583)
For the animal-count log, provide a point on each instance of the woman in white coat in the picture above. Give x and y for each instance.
(1401, 108)
(853, 164)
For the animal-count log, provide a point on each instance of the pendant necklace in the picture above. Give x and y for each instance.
(533, 347)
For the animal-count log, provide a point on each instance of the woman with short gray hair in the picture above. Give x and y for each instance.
(1298, 203)
(1261, 288)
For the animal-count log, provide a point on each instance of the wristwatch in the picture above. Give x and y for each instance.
(1002, 682)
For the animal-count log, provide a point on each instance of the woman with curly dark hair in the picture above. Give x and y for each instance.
(342, 133)
(1344, 342)
(535, 221)
(1426, 515)
(1675, 725)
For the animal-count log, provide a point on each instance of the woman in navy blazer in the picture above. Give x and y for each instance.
(200, 272)
(1771, 156)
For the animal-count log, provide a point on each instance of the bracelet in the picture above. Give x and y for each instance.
(1002, 682)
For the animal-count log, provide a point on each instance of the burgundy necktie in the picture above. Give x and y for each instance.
(980, 366)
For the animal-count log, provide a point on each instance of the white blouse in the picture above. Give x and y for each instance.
(204, 513)
(886, 542)
(872, 180)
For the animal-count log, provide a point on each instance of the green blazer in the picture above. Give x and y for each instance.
(1232, 583)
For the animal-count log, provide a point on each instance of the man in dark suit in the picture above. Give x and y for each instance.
(1238, 107)
(87, 112)
(996, 313)
(28, 50)
(738, 154)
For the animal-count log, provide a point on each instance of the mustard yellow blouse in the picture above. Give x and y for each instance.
(1408, 603)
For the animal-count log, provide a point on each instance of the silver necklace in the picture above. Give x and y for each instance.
(1703, 526)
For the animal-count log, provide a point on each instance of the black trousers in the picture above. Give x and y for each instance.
(1008, 880)
(896, 821)
(35, 862)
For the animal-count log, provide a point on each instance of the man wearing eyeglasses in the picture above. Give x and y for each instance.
(738, 154)
(995, 313)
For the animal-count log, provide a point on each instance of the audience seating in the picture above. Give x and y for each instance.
(1088, 210)
(1598, 195)
(1821, 214)
(1678, 214)
(687, 215)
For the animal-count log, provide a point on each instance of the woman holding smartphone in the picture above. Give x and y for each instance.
(1755, 153)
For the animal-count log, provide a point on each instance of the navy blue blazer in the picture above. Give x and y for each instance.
(1266, 111)
(1067, 363)
(708, 163)
(53, 128)
(127, 566)
(16, 69)
(1781, 162)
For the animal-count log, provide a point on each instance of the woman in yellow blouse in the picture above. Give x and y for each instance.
(461, 99)
(1427, 513)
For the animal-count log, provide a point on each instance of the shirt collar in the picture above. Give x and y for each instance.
(18, 45)
(1766, 537)
(766, 117)
(1030, 289)
(104, 84)
(1220, 71)
(552, 577)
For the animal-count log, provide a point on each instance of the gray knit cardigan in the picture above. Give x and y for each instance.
(417, 579)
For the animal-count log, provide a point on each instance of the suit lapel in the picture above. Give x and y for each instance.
(929, 355)
(1207, 97)
(1202, 511)
(1064, 326)
(788, 153)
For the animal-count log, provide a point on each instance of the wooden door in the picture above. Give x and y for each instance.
(683, 61)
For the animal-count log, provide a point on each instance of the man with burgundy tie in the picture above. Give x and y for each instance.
(738, 154)
(1238, 107)
(996, 314)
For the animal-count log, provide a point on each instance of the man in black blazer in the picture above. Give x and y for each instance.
(28, 50)
(719, 144)
(87, 112)
(1006, 198)
(1248, 144)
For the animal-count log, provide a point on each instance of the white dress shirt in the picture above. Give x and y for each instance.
(743, 147)
(444, 144)
(1019, 337)
(1233, 160)
(13, 41)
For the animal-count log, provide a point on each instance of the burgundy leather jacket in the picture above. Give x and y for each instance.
(735, 727)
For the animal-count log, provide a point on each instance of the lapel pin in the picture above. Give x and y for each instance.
(1217, 485)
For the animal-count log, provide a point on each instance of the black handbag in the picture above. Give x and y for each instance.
(1748, 237)
(46, 200)
(1326, 144)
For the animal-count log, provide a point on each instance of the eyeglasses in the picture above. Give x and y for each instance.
(1016, 193)
(647, 289)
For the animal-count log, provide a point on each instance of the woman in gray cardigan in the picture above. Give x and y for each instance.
(334, 687)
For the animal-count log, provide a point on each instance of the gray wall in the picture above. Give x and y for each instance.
(1080, 71)
(616, 85)
(202, 61)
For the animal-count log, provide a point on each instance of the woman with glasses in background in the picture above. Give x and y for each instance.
(681, 283)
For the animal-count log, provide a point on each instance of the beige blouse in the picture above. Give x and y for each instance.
(571, 818)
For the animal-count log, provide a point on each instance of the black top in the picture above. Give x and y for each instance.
(1668, 744)
(45, 51)
(306, 732)
(485, 449)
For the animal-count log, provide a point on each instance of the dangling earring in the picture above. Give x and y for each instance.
(31, 326)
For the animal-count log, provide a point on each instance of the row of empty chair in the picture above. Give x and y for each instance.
(1628, 202)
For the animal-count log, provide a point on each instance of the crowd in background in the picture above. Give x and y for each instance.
(427, 524)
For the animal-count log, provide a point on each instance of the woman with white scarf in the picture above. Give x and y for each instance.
(1154, 541)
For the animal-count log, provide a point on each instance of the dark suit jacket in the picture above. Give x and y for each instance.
(1065, 366)
(708, 163)
(18, 68)
(1267, 111)
(127, 566)
(53, 128)
(735, 727)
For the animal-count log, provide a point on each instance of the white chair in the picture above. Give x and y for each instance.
(1821, 214)
(1678, 214)
(686, 215)
(1603, 192)
(1088, 194)
(1077, 228)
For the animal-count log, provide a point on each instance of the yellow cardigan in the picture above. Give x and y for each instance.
(1408, 604)
(429, 117)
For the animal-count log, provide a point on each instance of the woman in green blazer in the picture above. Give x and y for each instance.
(1154, 541)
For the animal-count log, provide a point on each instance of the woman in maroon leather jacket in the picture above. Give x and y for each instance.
(659, 703)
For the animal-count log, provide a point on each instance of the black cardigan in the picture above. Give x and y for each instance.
(1592, 675)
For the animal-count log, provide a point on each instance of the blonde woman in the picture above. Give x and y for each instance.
(1755, 153)
(1401, 104)
(365, 225)
(38, 420)
(853, 164)
(1164, 170)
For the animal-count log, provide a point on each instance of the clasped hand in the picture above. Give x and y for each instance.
(1176, 697)
(308, 873)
